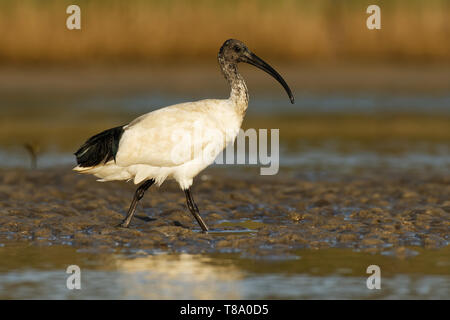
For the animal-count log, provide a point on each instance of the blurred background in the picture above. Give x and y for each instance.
(364, 98)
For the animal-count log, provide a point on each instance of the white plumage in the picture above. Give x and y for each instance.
(149, 147)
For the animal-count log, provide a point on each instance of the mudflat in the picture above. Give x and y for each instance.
(257, 216)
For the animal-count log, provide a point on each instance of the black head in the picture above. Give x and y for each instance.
(235, 51)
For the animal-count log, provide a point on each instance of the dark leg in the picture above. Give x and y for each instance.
(137, 196)
(194, 209)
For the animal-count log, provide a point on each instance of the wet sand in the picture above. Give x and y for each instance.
(257, 217)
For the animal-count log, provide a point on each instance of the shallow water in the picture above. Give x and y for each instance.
(330, 129)
(31, 273)
(306, 158)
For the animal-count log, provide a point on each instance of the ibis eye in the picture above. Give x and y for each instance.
(237, 49)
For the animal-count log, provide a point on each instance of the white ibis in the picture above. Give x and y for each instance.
(146, 150)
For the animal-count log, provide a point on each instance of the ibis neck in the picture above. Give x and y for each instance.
(239, 92)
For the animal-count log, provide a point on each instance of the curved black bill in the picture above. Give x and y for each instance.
(256, 61)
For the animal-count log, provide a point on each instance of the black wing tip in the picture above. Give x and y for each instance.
(99, 149)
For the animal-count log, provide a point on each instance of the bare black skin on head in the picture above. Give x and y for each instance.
(233, 52)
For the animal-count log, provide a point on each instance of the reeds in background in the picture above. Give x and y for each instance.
(34, 31)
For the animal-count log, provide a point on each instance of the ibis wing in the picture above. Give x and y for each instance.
(171, 136)
(100, 148)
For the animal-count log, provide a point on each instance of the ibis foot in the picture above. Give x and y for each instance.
(122, 225)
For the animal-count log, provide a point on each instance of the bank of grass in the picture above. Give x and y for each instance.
(33, 31)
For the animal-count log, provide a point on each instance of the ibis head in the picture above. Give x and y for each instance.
(235, 51)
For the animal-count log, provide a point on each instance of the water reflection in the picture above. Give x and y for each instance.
(182, 276)
(39, 272)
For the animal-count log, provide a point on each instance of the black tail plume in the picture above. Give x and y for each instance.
(100, 148)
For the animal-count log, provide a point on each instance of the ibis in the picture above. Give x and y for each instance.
(146, 150)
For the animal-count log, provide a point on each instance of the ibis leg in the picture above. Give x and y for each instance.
(194, 209)
(137, 196)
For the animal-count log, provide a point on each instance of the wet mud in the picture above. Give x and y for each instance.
(257, 217)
